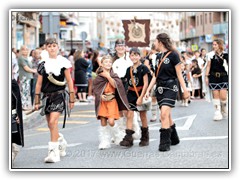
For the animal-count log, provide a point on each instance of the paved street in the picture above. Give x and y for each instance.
(204, 142)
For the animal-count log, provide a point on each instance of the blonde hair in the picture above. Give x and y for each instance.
(220, 43)
(100, 69)
(106, 57)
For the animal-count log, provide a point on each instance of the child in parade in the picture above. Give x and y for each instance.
(167, 74)
(52, 71)
(121, 62)
(137, 79)
(110, 98)
(196, 78)
(217, 79)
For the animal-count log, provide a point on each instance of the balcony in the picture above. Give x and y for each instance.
(181, 35)
(220, 28)
(191, 33)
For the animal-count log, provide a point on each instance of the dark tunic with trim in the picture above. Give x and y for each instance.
(55, 101)
(138, 78)
(221, 82)
(167, 85)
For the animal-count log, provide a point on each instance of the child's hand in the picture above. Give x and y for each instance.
(104, 98)
(139, 101)
(104, 74)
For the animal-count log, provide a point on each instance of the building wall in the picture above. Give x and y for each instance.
(25, 29)
(206, 24)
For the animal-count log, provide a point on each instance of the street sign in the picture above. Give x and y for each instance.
(83, 35)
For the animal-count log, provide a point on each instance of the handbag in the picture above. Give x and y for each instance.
(146, 103)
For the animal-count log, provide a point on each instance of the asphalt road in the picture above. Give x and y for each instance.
(204, 143)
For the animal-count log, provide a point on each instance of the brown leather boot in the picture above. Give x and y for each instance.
(144, 141)
(128, 139)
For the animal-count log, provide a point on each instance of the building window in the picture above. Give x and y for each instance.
(197, 20)
(205, 18)
(201, 20)
(210, 17)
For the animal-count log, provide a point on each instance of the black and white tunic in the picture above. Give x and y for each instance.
(53, 95)
(218, 77)
(166, 81)
(138, 78)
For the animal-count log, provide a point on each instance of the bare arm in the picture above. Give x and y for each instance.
(38, 91)
(207, 72)
(145, 85)
(146, 62)
(28, 69)
(70, 87)
(153, 81)
(109, 78)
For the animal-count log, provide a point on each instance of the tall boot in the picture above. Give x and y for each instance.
(217, 115)
(62, 145)
(128, 139)
(53, 153)
(136, 126)
(154, 112)
(104, 137)
(117, 133)
(224, 109)
(144, 141)
(165, 139)
(174, 135)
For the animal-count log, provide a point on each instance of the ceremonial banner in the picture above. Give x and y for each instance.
(137, 32)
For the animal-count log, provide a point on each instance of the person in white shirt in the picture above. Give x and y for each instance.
(121, 63)
(121, 59)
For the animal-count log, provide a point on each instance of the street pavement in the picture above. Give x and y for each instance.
(204, 142)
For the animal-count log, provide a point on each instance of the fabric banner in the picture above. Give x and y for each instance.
(137, 32)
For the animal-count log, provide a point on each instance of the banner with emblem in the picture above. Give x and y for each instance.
(137, 32)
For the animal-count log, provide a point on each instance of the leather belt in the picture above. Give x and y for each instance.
(218, 74)
(54, 93)
(138, 88)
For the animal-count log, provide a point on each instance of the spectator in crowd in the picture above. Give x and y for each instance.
(80, 67)
(25, 75)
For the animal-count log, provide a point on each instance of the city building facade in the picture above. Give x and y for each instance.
(199, 29)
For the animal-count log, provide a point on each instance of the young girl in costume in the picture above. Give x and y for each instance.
(110, 98)
(139, 74)
(167, 74)
(217, 79)
(52, 72)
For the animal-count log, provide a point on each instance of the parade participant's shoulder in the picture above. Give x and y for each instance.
(210, 55)
(114, 75)
(175, 60)
(54, 66)
(64, 61)
(40, 68)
